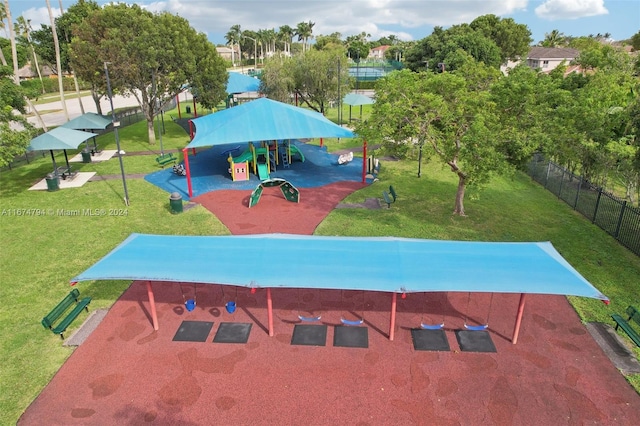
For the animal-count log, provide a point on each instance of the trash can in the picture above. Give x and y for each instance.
(86, 156)
(175, 203)
(188, 109)
(52, 182)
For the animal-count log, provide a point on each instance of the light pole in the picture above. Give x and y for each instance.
(255, 52)
(115, 131)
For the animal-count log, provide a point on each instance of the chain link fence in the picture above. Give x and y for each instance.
(614, 215)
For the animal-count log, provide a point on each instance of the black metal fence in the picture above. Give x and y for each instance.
(613, 215)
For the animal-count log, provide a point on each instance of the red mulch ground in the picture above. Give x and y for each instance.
(125, 373)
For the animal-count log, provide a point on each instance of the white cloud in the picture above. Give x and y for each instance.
(39, 16)
(347, 17)
(570, 9)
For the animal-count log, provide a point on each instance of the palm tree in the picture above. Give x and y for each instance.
(73, 74)
(304, 31)
(56, 44)
(231, 41)
(237, 36)
(23, 28)
(554, 39)
(14, 56)
(286, 34)
(3, 16)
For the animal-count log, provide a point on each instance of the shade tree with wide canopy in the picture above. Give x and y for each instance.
(421, 266)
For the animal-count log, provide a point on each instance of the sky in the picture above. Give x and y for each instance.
(406, 19)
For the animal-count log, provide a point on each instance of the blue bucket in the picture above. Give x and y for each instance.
(190, 304)
(231, 307)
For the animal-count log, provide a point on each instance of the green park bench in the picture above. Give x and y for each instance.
(389, 197)
(61, 309)
(165, 159)
(634, 315)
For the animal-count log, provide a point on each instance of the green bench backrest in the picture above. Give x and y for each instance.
(633, 314)
(60, 309)
(393, 192)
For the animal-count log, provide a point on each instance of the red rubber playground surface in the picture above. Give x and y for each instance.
(125, 373)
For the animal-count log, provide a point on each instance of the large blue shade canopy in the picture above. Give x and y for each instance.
(59, 138)
(386, 264)
(88, 121)
(356, 99)
(262, 120)
(240, 83)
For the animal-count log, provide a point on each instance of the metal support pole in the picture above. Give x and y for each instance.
(115, 131)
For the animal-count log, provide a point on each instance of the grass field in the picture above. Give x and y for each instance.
(43, 249)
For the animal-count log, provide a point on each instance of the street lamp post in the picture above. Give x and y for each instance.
(255, 52)
(115, 130)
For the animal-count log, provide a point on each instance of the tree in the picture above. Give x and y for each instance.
(316, 79)
(328, 42)
(15, 130)
(285, 33)
(58, 61)
(554, 39)
(444, 46)
(512, 39)
(304, 31)
(635, 41)
(3, 16)
(234, 38)
(312, 77)
(276, 80)
(440, 111)
(150, 56)
(23, 28)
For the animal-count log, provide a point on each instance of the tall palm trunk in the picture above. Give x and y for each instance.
(14, 56)
(75, 78)
(56, 44)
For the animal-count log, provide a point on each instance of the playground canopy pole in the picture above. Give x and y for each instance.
(392, 325)
(516, 329)
(364, 161)
(185, 151)
(152, 306)
(270, 312)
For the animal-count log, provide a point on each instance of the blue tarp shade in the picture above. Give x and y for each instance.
(356, 99)
(240, 83)
(397, 265)
(88, 121)
(263, 120)
(59, 138)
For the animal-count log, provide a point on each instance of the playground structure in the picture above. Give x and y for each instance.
(289, 191)
(262, 160)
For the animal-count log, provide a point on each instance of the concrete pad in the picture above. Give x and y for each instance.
(76, 181)
(613, 346)
(104, 155)
(89, 324)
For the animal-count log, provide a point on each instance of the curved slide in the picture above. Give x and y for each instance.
(294, 150)
(245, 156)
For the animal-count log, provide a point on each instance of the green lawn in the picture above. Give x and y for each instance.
(41, 252)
